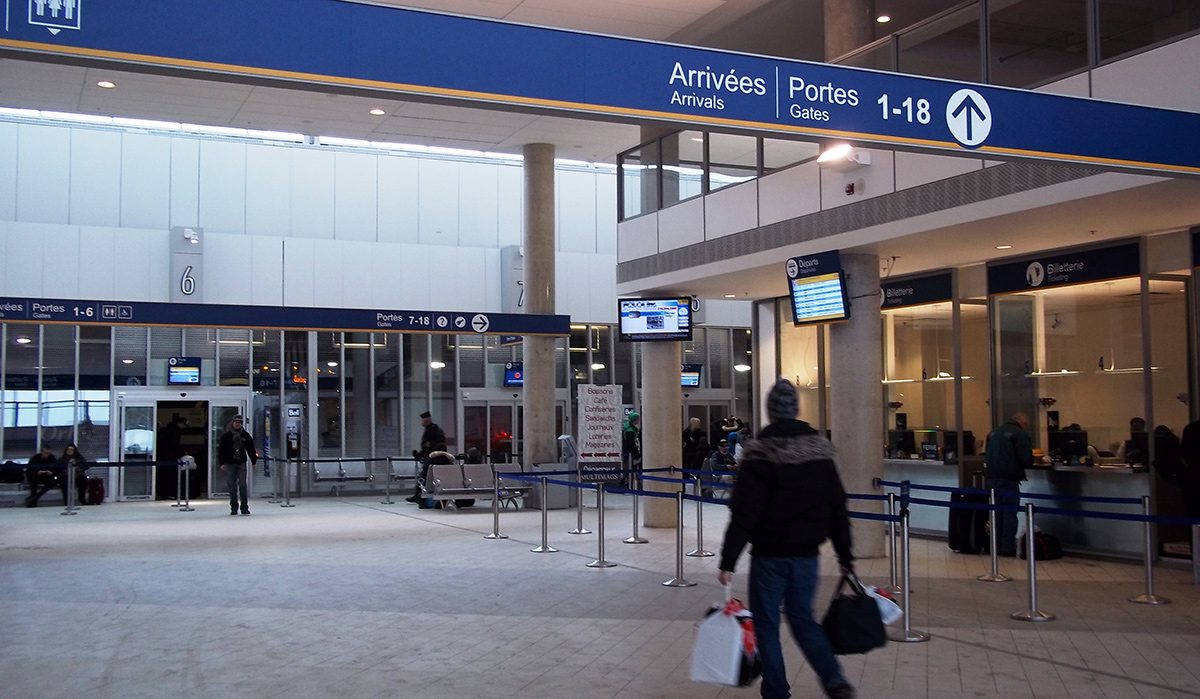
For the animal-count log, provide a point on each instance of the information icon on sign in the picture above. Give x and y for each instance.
(442, 321)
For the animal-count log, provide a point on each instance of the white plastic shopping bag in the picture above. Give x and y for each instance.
(888, 609)
(725, 651)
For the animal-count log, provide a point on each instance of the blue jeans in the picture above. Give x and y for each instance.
(1006, 522)
(790, 582)
(235, 479)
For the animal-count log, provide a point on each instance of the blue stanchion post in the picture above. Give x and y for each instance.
(699, 551)
(495, 507)
(599, 562)
(679, 580)
(907, 634)
(892, 587)
(995, 575)
(545, 547)
(1033, 613)
(1148, 597)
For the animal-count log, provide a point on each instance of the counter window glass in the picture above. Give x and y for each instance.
(1071, 358)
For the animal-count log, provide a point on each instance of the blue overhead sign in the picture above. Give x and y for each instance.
(917, 291)
(23, 310)
(434, 55)
(1064, 267)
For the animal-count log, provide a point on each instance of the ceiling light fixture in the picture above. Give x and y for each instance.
(106, 84)
(377, 112)
(597, 367)
(22, 340)
(741, 367)
(331, 363)
(731, 296)
(1004, 247)
(127, 361)
(435, 364)
(883, 19)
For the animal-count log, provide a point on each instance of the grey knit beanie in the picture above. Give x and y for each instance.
(783, 403)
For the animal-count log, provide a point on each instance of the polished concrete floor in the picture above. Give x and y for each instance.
(353, 598)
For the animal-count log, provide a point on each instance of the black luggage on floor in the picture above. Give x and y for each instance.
(95, 491)
(968, 526)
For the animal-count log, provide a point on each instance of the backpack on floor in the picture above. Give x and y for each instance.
(1046, 547)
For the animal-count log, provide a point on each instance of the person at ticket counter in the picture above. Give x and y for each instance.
(1178, 466)
(1009, 452)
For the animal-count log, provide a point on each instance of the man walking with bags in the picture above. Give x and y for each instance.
(235, 447)
(788, 500)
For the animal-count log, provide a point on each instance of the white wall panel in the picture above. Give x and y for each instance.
(145, 181)
(437, 207)
(25, 258)
(222, 187)
(3, 264)
(355, 190)
(95, 177)
(875, 180)
(97, 263)
(391, 286)
(681, 225)
(299, 271)
(415, 279)
(8, 171)
(606, 214)
(185, 182)
(1079, 85)
(512, 205)
(731, 210)
(789, 193)
(637, 237)
(267, 279)
(456, 282)
(312, 193)
(327, 273)
(602, 285)
(397, 199)
(159, 273)
(491, 302)
(61, 265)
(478, 205)
(913, 169)
(1164, 77)
(357, 290)
(268, 190)
(43, 174)
(576, 211)
(229, 268)
(134, 255)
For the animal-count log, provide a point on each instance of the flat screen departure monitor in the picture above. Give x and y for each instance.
(183, 371)
(818, 288)
(514, 374)
(647, 320)
(690, 375)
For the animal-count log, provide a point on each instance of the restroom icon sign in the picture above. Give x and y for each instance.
(55, 15)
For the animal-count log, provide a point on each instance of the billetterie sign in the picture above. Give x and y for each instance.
(1064, 267)
(476, 61)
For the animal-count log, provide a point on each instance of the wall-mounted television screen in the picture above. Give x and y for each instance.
(690, 375)
(183, 371)
(514, 374)
(818, 289)
(645, 320)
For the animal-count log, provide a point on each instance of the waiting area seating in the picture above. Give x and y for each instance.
(458, 485)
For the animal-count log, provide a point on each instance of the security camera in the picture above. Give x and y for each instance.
(183, 395)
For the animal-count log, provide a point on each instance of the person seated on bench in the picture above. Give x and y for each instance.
(43, 473)
(722, 460)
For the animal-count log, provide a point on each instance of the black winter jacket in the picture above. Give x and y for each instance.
(789, 497)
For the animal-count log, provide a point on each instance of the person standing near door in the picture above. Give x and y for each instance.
(433, 438)
(235, 447)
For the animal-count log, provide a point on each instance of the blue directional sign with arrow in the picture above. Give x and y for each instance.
(470, 61)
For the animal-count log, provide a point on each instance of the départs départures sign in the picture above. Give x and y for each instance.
(1064, 268)
(916, 291)
(600, 416)
(429, 55)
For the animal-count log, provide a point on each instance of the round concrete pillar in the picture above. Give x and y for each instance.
(538, 352)
(856, 372)
(662, 425)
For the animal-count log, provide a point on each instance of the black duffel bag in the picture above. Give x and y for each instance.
(853, 623)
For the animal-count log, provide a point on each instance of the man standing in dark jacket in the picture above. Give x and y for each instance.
(433, 438)
(234, 449)
(788, 500)
(1008, 453)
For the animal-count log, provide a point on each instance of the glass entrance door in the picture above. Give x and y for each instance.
(494, 428)
(136, 442)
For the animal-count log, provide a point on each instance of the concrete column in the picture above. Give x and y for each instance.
(538, 352)
(856, 372)
(849, 25)
(662, 423)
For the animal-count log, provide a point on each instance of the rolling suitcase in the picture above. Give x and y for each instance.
(95, 491)
(968, 527)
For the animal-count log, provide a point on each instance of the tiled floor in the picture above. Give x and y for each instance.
(351, 598)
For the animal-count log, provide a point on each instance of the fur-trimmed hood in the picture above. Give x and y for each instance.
(789, 442)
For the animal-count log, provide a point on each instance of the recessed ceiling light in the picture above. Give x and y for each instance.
(1004, 247)
(127, 361)
(437, 364)
(883, 19)
(731, 296)
(332, 364)
(22, 340)
(106, 84)
(377, 112)
(698, 139)
(741, 367)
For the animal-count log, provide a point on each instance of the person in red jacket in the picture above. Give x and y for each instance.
(788, 500)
